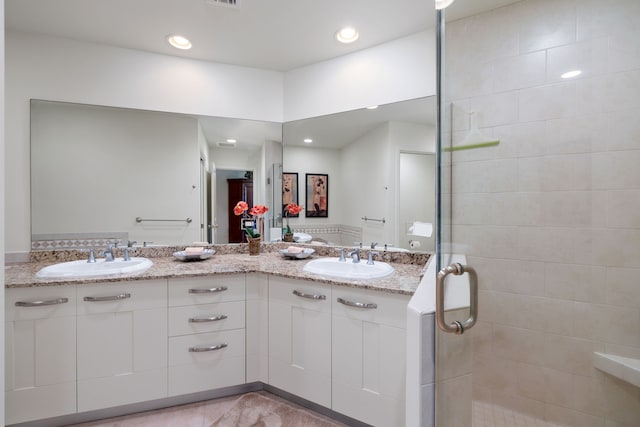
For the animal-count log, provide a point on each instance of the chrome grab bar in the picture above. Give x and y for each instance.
(208, 290)
(457, 327)
(208, 348)
(357, 304)
(309, 296)
(41, 303)
(207, 319)
(108, 298)
(188, 220)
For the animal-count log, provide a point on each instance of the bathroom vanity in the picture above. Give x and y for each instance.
(180, 329)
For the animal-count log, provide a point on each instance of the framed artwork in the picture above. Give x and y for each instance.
(289, 192)
(317, 201)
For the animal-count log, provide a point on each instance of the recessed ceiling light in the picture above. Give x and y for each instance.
(373, 107)
(571, 74)
(178, 41)
(347, 35)
(308, 140)
(231, 141)
(441, 4)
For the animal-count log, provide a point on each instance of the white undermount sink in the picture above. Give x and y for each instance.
(100, 268)
(347, 269)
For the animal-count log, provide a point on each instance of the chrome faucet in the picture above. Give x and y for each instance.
(355, 254)
(373, 245)
(371, 254)
(108, 253)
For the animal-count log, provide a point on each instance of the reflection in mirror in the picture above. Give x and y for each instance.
(381, 168)
(102, 174)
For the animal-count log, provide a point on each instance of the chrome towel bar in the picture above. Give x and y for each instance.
(188, 220)
(365, 218)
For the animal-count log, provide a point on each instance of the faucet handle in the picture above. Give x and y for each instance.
(358, 244)
(145, 244)
(92, 255)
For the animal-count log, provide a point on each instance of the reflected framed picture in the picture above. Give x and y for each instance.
(317, 199)
(289, 192)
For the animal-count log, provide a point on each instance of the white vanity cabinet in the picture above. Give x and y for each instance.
(300, 338)
(368, 355)
(121, 343)
(40, 352)
(206, 333)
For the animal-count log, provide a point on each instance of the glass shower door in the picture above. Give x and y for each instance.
(456, 281)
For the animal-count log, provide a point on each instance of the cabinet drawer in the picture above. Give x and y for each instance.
(193, 371)
(122, 296)
(301, 294)
(206, 290)
(40, 302)
(191, 319)
(181, 353)
(371, 306)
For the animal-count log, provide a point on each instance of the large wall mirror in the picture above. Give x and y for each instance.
(380, 169)
(145, 176)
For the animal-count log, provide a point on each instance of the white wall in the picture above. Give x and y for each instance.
(395, 71)
(96, 169)
(367, 171)
(65, 70)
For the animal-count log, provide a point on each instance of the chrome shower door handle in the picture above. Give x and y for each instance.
(457, 327)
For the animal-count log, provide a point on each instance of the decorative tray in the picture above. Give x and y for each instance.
(297, 255)
(184, 256)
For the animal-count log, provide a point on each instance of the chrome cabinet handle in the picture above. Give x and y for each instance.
(41, 303)
(309, 296)
(208, 348)
(207, 319)
(208, 290)
(357, 304)
(457, 327)
(108, 298)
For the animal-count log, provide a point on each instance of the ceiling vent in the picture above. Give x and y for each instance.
(225, 144)
(226, 3)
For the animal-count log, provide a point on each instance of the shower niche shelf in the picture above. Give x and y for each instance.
(624, 368)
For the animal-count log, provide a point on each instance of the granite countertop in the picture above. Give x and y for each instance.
(404, 280)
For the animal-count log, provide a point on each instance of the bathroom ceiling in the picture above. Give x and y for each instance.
(271, 34)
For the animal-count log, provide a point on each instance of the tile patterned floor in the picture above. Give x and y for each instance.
(488, 415)
(263, 409)
(257, 409)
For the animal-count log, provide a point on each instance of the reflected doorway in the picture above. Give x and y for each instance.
(416, 201)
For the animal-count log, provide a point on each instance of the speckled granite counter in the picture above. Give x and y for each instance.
(404, 280)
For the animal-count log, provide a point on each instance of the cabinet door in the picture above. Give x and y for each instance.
(300, 339)
(40, 353)
(368, 355)
(122, 343)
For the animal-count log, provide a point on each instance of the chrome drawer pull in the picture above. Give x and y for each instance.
(41, 303)
(358, 304)
(209, 348)
(108, 298)
(208, 290)
(309, 296)
(207, 319)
